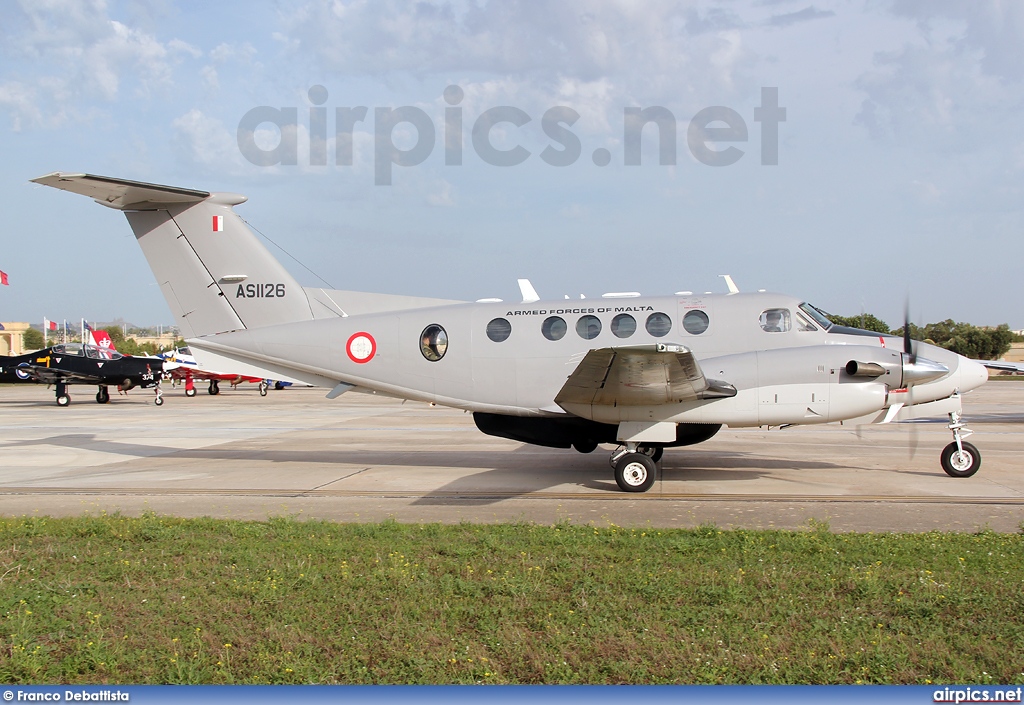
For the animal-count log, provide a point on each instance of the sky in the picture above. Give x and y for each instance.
(898, 173)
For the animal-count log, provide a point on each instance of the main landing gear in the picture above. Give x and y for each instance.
(959, 458)
(63, 398)
(102, 396)
(636, 466)
(214, 388)
(263, 387)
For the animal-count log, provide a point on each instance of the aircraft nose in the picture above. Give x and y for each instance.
(972, 374)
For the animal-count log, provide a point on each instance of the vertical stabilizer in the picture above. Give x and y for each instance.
(215, 275)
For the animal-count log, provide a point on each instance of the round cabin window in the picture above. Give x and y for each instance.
(695, 322)
(499, 330)
(433, 342)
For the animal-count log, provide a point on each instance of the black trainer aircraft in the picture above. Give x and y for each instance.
(75, 363)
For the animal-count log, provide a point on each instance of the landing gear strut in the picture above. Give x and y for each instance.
(63, 398)
(959, 458)
(190, 385)
(263, 387)
(159, 401)
(635, 468)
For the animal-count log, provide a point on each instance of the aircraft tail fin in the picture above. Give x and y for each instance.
(213, 271)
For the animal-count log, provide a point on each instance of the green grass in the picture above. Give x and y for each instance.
(114, 599)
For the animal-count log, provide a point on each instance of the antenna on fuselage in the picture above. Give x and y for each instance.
(529, 293)
(733, 289)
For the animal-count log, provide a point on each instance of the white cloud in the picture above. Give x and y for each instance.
(74, 55)
(949, 83)
(204, 141)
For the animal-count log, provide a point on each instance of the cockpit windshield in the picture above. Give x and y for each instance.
(100, 353)
(816, 315)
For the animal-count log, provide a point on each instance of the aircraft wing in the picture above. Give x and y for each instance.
(197, 373)
(1004, 366)
(50, 375)
(642, 375)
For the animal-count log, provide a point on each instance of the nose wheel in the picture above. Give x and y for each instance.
(960, 458)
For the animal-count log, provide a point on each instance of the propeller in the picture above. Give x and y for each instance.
(910, 350)
(908, 345)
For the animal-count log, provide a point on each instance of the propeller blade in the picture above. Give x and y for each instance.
(908, 344)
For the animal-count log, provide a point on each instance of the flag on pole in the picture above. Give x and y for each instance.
(3, 279)
(49, 325)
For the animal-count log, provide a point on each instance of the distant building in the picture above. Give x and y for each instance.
(12, 338)
(1015, 353)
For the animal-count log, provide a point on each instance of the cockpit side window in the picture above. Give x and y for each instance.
(803, 324)
(775, 320)
(71, 349)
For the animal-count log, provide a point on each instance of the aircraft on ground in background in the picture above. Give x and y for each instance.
(643, 373)
(189, 370)
(76, 363)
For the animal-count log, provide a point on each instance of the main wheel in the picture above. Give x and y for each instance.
(190, 391)
(263, 389)
(585, 446)
(214, 387)
(63, 400)
(635, 472)
(102, 396)
(278, 386)
(957, 464)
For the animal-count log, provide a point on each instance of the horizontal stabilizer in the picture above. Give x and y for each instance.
(120, 193)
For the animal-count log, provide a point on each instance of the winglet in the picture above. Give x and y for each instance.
(733, 289)
(529, 293)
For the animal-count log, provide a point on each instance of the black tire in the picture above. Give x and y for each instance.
(585, 446)
(635, 472)
(63, 400)
(214, 387)
(190, 392)
(278, 386)
(263, 389)
(159, 401)
(957, 465)
(102, 396)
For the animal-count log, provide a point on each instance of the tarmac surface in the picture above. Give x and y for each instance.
(366, 458)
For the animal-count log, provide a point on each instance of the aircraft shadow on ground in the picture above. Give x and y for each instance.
(491, 484)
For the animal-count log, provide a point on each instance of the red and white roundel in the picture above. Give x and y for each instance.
(361, 347)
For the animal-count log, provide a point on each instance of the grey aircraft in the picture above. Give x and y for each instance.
(641, 373)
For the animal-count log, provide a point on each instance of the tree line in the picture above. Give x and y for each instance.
(965, 339)
(33, 340)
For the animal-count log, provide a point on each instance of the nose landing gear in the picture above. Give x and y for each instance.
(959, 458)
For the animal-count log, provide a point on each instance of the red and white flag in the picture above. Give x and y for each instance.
(49, 325)
(218, 223)
(3, 279)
